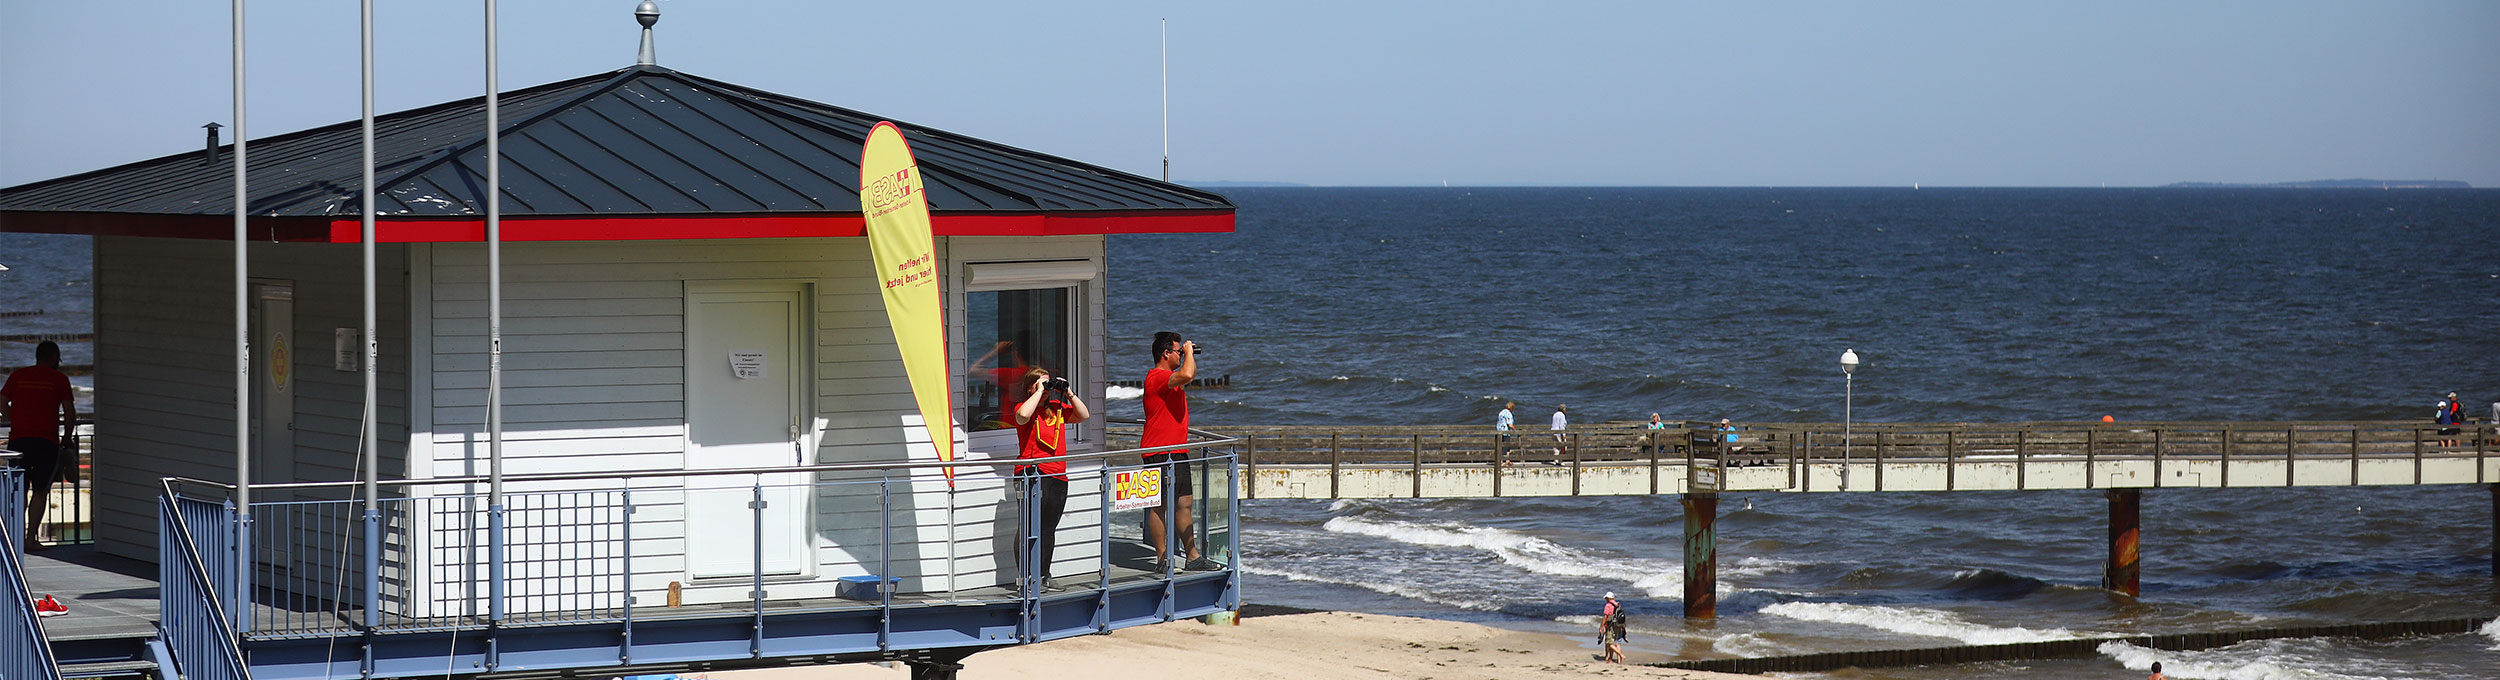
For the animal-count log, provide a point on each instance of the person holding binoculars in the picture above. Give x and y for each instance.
(1042, 432)
(1167, 424)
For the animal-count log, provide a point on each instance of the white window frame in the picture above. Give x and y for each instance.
(1077, 276)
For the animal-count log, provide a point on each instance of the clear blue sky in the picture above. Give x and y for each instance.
(1388, 93)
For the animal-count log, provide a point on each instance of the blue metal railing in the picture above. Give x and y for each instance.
(438, 558)
(24, 654)
(195, 554)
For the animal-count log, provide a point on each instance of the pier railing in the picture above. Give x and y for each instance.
(1685, 445)
(610, 548)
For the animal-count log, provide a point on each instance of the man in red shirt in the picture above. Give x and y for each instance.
(1042, 432)
(1167, 424)
(42, 411)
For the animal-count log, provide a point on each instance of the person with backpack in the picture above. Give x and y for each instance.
(1611, 625)
(2451, 414)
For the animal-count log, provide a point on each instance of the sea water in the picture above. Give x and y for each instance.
(1432, 306)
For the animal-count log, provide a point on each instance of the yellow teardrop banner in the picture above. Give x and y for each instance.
(903, 251)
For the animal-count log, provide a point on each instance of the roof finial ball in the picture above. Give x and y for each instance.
(648, 13)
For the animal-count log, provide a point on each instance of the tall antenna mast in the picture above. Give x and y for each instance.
(1167, 100)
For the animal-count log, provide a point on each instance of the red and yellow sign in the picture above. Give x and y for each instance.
(1137, 489)
(905, 256)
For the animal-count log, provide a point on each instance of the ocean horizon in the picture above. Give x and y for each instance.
(1424, 305)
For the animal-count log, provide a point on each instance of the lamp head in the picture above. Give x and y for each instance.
(1848, 361)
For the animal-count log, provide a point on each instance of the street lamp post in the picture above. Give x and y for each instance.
(1848, 415)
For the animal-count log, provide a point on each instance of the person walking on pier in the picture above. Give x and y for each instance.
(2451, 413)
(1503, 425)
(1042, 421)
(1167, 424)
(1560, 422)
(43, 411)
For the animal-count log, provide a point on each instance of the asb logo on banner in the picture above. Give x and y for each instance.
(1136, 489)
(905, 257)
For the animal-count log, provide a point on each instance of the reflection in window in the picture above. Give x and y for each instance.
(1015, 330)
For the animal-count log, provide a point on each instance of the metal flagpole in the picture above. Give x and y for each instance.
(370, 441)
(494, 334)
(242, 349)
(1167, 100)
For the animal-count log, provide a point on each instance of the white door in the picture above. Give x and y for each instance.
(273, 388)
(746, 364)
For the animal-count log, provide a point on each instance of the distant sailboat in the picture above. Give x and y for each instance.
(1913, 186)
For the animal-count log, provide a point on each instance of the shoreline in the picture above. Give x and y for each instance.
(1285, 643)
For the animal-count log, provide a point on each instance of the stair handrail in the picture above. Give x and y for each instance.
(211, 654)
(24, 652)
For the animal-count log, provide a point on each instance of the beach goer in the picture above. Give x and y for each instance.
(1655, 423)
(1167, 424)
(2450, 413)
(1042, 432)
(43, 410)
(2157, 672)
(1611, 625)
(1503, 425)
(1727, 438)
(1560, 422)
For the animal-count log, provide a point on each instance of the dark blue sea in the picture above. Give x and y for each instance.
(1395, 306)
(1432, 305)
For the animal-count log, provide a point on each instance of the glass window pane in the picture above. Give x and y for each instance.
(1014, 330)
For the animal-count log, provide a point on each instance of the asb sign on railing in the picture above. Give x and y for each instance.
(1136, 489)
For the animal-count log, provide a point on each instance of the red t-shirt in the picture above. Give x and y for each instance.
(1167, 411)
(1044, 436)
(35, 395)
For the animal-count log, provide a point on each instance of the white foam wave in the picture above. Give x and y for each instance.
(2239, 662)
(1655, 578)
(1122, 392)
(2492, 630)
(1748, 645)
(1914, 621)
(1400, 590)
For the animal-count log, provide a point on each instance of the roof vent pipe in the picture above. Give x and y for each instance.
(648, 13)
(211, 156)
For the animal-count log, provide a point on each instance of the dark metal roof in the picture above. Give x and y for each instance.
(639, 141)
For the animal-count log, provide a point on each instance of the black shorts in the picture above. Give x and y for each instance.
(40, 458)
(1179, 475)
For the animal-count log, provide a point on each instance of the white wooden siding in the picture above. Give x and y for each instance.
(165, 369)
(594, 359)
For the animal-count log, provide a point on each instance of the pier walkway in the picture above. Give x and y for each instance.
(1616, 460)
(1700, 462)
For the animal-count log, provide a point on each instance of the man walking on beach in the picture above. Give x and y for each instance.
(42, 412)
(1610, 628)
(1167, 424)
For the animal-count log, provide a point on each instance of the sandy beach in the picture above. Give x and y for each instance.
(1310, 646)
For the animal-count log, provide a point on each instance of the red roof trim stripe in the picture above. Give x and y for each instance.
(619, 228)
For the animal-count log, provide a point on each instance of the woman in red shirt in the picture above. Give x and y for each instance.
(1042, 432)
